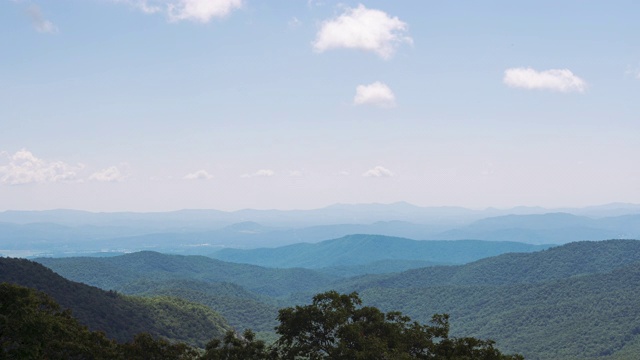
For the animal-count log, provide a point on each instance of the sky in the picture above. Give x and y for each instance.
(156, 105)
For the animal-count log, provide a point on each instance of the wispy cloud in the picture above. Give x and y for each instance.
(191, 10)
(378, 172)
(41, 24)
(634, 72)
(377, 93)
(110, 174)
(363, 29)
(294, 23)
(562, 80)
(25, 168)
(260, 173)
(198, 175)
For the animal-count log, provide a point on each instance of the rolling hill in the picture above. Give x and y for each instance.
(363, 249)
(117, 271)
(120, 317)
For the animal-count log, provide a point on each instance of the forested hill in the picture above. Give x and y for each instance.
(362, 249)
(573, 259)
(120, 317)
(576, 301)
(114, 272)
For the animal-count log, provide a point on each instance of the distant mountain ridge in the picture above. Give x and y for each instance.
(333, 214)
(74, 233)
(362, 249)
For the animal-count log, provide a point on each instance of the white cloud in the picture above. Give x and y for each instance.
(198, 175)
(562, 80)
(378, 94)
(294, 23)
(110, 174)
(193, 10)
(24, 168)
(41, 24)
(364, 29)
(295, 173)
(260, 173)
(378, 172)
(635, 72)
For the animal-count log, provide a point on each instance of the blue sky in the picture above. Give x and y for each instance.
(156, 105)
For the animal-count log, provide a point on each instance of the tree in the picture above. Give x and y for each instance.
(32, 326)
(234, 347)
(336, 326)
(146, 347)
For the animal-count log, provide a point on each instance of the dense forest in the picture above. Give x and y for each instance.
(334, 326)
(583, 292)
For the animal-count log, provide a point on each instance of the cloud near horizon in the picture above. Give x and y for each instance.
(377, 94)
(363, 29)
(562, 80)
(110, 174)
(25, 168)
(260, 173)
(378, 172)
(191, 10)
(198, 175)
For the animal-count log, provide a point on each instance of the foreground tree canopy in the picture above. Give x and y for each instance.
(333, 326)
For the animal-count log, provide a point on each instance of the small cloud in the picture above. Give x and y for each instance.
(634, 72)
(295, 173)
(562, 80)
(363, 29)
(198, 175)
(294, 23)
(110, 174)
(201, 10)
(25, 168)
(260, 173)
(378, 172)
(343, 173)
(378, 94)
(41, 24)
(192, 10)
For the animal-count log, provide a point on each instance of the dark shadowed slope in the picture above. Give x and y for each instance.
(120, 317)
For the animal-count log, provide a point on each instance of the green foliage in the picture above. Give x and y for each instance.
(182, 320)
(146, 347)
(242, 309)
(233, 347)
(336, 326)
(32, 326)
(120, 317)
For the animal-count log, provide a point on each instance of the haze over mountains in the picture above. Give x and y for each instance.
(510, 275)
(69, 232)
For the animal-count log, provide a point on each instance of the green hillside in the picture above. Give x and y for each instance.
(117, 271)
(363, 249)
(573, 259)
(120, 317)
(242, 309)
(576, 301)
(586, 317)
